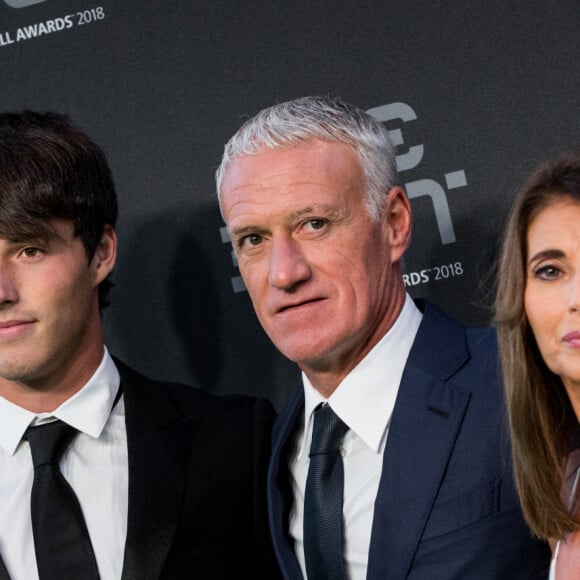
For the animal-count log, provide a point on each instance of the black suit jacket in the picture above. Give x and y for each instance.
(197, 468)
(446, 507)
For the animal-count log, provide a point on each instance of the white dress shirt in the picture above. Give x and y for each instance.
(95, 464)
(364, 401)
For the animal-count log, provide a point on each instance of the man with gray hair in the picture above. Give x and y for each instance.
(391, 460)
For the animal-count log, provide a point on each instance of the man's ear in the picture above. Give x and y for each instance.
(397, 220)
(105, 254)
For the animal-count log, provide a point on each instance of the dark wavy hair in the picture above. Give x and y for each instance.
(50, 170)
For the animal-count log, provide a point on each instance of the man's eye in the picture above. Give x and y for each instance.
(315, 224)
(251, 240)
(31, 252)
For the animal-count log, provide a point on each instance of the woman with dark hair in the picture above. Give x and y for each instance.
(537, 312)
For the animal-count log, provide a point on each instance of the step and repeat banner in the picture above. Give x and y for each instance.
(474, 95)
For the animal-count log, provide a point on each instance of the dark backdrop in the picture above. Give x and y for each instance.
(475, 93)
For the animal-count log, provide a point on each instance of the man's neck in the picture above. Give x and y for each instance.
(44, 395)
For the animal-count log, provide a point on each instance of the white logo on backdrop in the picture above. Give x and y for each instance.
(64, 22)
(22, 3)
(410, 160)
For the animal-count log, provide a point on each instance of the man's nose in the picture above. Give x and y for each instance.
(8, 291)
(288, 264)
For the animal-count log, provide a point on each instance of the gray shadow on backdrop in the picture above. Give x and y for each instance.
(174, 315)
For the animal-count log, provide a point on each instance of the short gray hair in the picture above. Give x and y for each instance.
(301, 120)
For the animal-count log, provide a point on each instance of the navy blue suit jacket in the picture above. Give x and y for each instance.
(446, 506)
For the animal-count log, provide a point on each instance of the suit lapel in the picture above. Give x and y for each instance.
(158, 440)
(279, 490)
(421, 438)
(3, 572)
(425, 425)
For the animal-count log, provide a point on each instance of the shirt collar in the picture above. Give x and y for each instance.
(365, 398)
(87, 410)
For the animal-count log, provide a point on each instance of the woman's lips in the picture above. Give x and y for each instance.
(572, 338)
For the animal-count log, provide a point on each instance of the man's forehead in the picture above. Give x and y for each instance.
(37, 231)
(309, 160)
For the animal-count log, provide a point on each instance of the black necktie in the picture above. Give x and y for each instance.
(61, 540)
(323, 499)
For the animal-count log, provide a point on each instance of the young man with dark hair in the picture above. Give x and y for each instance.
(146, 480)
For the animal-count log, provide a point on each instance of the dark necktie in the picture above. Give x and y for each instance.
(61, 540)
(323, 499)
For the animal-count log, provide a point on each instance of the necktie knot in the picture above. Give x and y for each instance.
(327, 432)
(48, 442)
